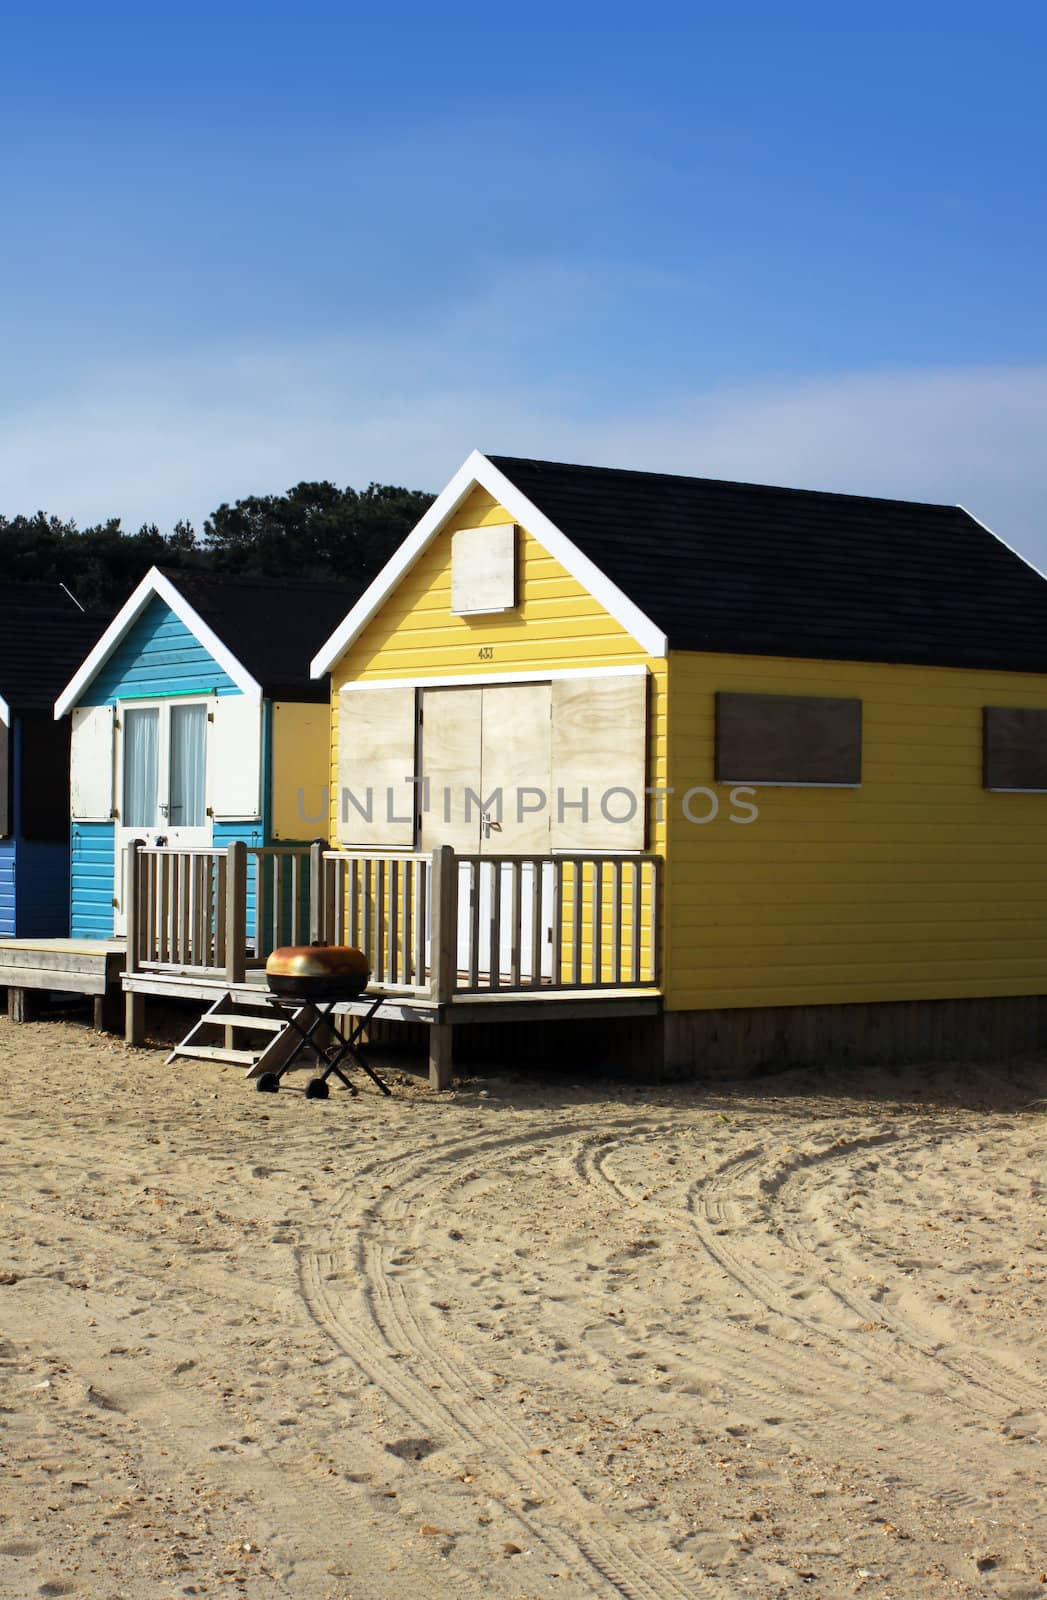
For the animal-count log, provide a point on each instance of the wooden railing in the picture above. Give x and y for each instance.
(214, 910)
(435, 926)
(448, 924)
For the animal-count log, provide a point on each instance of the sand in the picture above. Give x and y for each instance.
(538, 1337)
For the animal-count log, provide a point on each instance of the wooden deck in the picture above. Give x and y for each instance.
(452, 939)
(498, 1006)
(62, 966)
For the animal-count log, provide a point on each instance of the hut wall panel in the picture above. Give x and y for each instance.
(43, 889)
(918, 884)
(91, 875)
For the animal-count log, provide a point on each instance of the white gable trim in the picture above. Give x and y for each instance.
(479, 472)
(154, 584)
(1002, 541)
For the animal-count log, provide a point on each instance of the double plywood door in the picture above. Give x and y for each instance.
(486, 764)
(486, 768)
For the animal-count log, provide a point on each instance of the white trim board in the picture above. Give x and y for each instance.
(481, 679)
(5, 711)
(1006, 546)
(480, 473)
(154, 584)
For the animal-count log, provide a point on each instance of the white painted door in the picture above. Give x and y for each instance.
(161, 770)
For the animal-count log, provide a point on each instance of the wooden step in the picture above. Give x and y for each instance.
(217, 1052)
(237, 1019)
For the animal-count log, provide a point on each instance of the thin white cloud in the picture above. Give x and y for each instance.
(164, 441)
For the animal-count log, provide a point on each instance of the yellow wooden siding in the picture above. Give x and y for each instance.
(557, 625)
(299, 767)
(917, 885)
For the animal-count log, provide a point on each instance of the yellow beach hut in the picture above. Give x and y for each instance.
(729, 775)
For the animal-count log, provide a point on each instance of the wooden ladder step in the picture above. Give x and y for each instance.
(237, 1019)
(217, 1052)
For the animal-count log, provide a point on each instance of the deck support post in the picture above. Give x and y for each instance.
(441, 1055)
(106, 1010)
(22, 1005)
(236, 912)
(134, 1018)
(443, 961)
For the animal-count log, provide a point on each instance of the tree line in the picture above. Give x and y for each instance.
(315, 530)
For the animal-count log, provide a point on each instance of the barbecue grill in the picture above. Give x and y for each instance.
(306, 982)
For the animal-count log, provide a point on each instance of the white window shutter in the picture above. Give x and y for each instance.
(376, 754)
(5, 778)
(234, 758)
(599, 746)
(91, 764)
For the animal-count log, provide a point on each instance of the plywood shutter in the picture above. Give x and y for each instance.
(599, 744)
(376, 761)
(1015, 752)
(234, 759)
(5, 778)
(483, 569)
(788, 738)
(91, 764)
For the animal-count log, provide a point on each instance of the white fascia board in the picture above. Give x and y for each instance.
(479, 472)
(1006, 546)
(401, 562)
(588, 574)
(482, 679)
(5, 711)
(154, 584)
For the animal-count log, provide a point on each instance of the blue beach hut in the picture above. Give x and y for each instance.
(195, 724)
(43, 634)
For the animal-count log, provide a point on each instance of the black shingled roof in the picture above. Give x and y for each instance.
(273, 626)
(749, 569)
(44, 636)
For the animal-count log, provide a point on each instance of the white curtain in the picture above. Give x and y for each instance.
(141, 729)
(188, 754)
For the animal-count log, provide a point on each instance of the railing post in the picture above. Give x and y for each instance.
(317, 910)
(134, 1004)
(236, 913)
(132, 876)
(443, 962)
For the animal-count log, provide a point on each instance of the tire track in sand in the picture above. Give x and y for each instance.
(609, 1560)
(721, 1227)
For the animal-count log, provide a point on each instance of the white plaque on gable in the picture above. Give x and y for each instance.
(483, 569)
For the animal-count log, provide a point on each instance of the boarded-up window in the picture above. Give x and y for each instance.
(599, 763)
(788, 738)
(5, 778)
(1015, 748)
(376, 762)
(483, 569)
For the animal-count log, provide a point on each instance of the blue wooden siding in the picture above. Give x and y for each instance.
(91, 900)
(8, 853)
(42, 890)
(157, 656)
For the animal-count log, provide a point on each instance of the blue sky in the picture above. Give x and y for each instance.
(243, 245)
